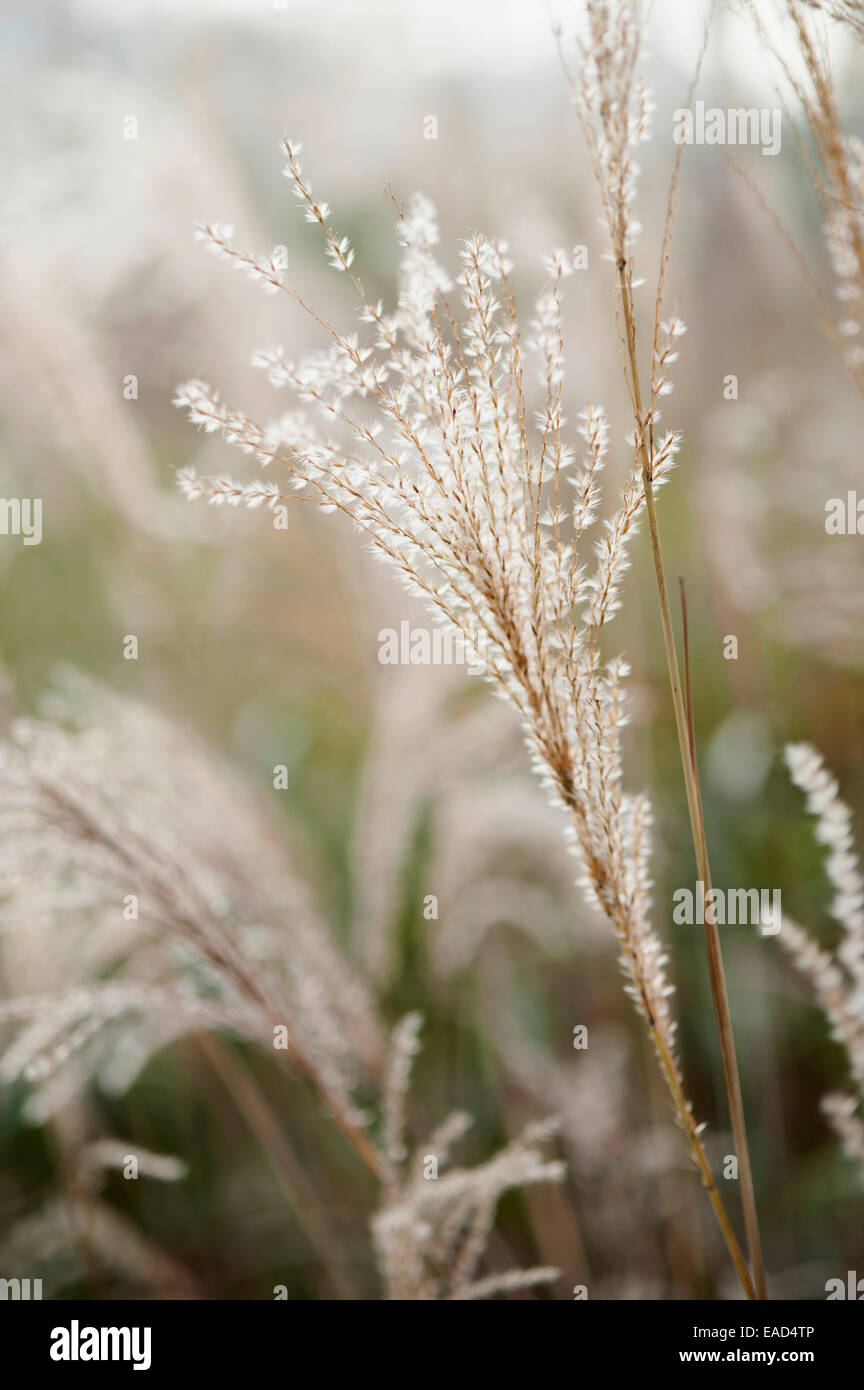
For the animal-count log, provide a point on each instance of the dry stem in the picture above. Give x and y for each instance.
(694, 806)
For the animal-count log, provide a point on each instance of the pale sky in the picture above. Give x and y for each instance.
(453, 36)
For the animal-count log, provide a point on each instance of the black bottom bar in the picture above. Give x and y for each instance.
(65, 1340)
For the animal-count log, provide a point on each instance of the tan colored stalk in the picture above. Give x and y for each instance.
(715, 959)
(256, 1110)
(691, 1129)
(718, 989)
(669, 1067)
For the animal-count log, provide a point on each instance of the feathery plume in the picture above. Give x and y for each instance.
(837, 980)
(432, 1230)
(424, 435)
(177, 912)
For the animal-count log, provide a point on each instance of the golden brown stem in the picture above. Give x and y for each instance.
(694, 806)
(264, 1125)
(721, 1002)
(691, 1129)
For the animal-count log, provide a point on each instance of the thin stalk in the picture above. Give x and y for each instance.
(675, 1242)
(257, 1112)
(691, 1129)
(663, 1046)
(718, 988)
(694, 807)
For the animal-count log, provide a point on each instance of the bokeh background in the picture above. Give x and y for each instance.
(407, 782)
